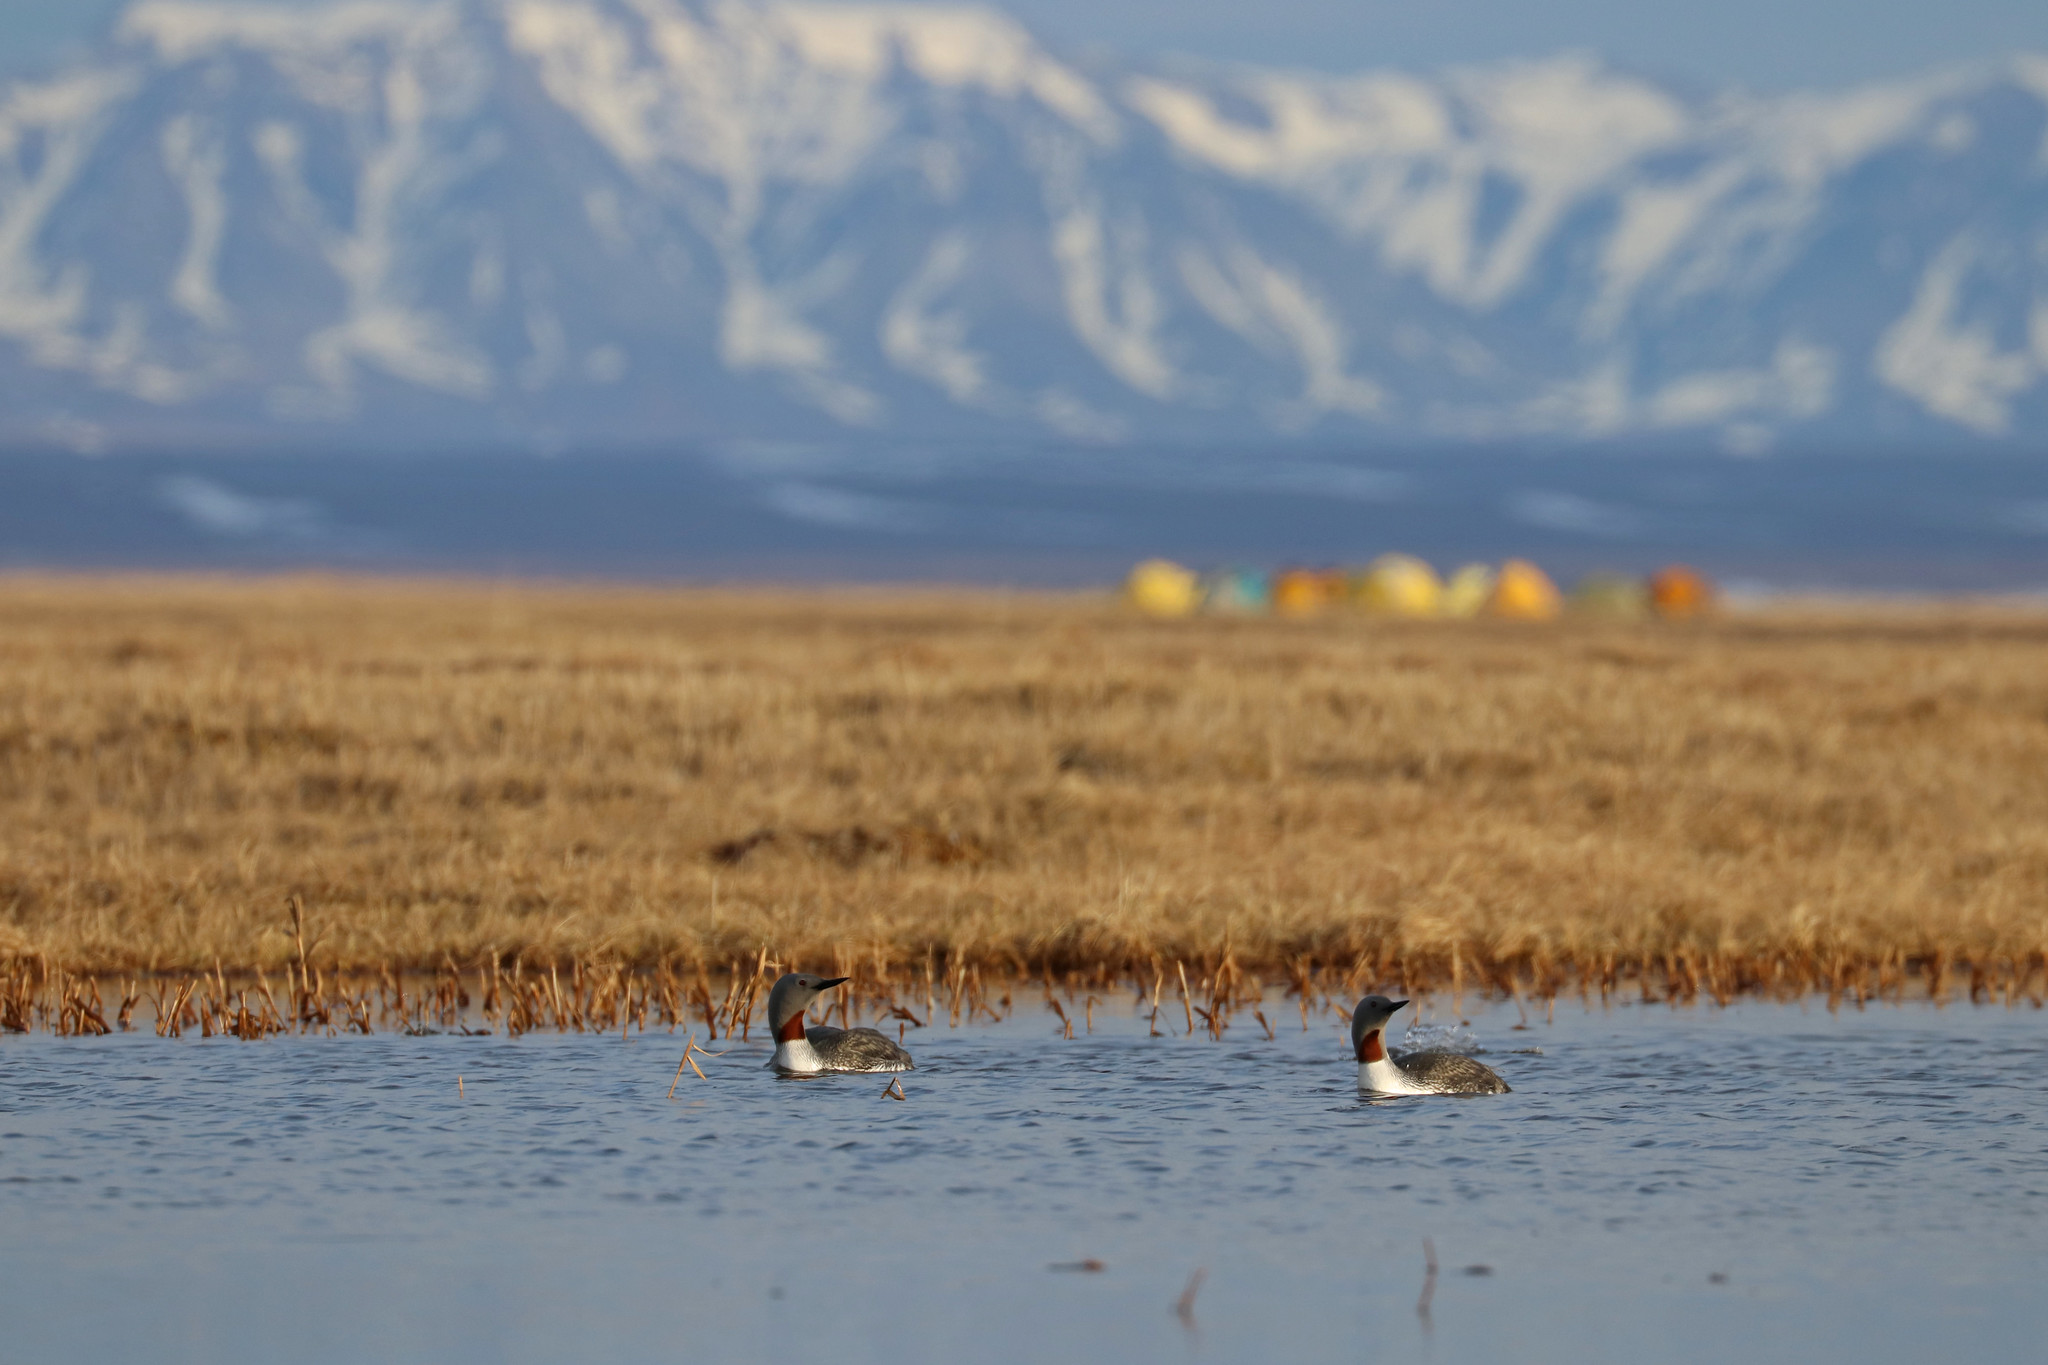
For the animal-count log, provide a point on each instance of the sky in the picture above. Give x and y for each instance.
(1762, 44)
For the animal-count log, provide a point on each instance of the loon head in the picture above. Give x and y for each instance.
(790, 997)
(1368, 1021)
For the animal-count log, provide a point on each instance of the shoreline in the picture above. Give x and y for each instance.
(628, 1001)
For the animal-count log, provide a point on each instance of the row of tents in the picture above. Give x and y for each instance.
(1402, 585)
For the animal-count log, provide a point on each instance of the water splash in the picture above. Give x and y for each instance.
(1457, 1037)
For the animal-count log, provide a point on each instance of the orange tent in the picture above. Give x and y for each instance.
(1678, 592)
(1524, 592)
(1300, 592)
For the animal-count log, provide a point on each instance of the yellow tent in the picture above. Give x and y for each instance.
(1468, 591)
(1524, 592)
(1160, 587)
(1401, 585)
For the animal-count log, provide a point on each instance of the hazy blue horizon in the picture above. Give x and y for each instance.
(1761, 44)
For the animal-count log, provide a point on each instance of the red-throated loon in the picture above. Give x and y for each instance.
(1415, 1073)
(805, 1052)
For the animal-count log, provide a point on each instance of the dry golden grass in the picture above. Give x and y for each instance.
(557, 777)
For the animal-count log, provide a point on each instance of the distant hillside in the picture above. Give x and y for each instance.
(561, 223)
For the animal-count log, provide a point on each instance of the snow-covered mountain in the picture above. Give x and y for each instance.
(564, 223)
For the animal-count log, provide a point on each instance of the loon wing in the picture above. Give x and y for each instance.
(1451, 1073)
(857, 1049)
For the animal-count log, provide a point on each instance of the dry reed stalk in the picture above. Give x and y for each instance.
(1184, 1306)
(725, 1006)
(17, 1005)
(753, 986)
(690, 1053)
(77, 1014)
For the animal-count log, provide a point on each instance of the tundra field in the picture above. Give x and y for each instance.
(484, 784)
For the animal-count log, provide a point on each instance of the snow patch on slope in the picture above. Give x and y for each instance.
(1953, 367)
(1807, 138)
(1270, 307)
(1799, 383)
(2031, 72)
(182, 30)
(921, 339)
(47, 132)
(952, 48)
(737, 100)
(196, 161)
(1392, 159)
(62, 119)
(384, 324)
(1606, 400)
(1111, 301)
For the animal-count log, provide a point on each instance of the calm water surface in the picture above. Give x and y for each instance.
(1754, 1184)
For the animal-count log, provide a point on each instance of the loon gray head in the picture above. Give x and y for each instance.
(1368, 1021)
(790, 997)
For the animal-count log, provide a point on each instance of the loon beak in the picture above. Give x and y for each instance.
(832, 981)
(1400, 1004)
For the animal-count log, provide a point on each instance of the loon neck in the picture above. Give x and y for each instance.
(1383, 1075)
(792, 1030)
(796, 1055)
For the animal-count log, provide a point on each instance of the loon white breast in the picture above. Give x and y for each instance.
(1416, 1073)
(806, 1052)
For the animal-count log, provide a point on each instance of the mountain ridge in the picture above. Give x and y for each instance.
(546, 224)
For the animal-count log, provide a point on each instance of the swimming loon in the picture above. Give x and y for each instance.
(1416, 1073)
(804, 1052)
